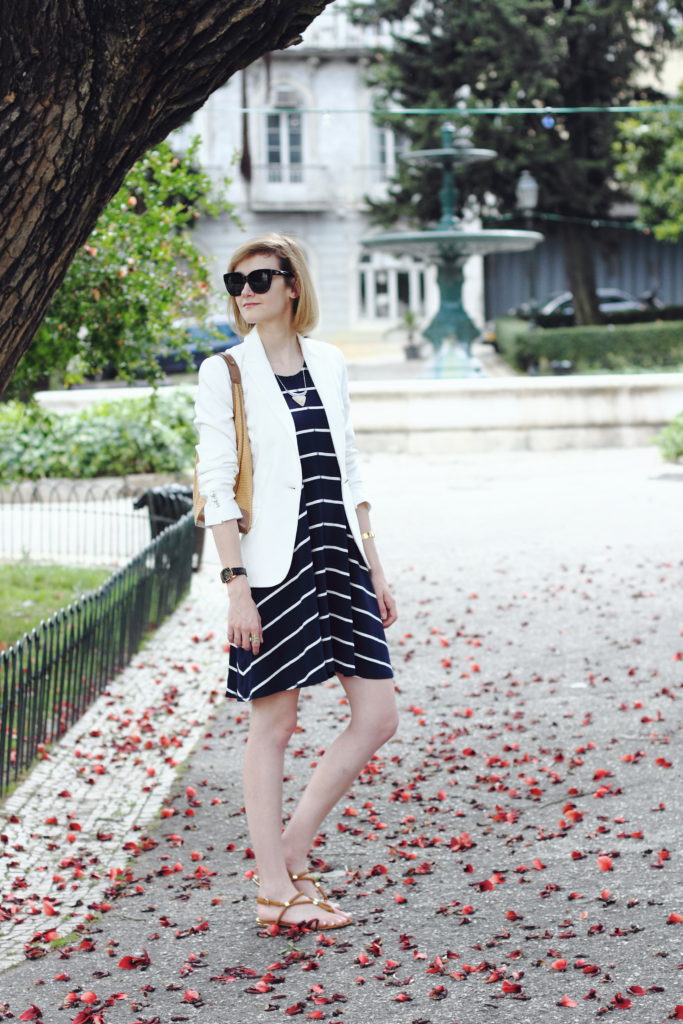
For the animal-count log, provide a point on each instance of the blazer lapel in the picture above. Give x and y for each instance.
(262, 384)
(326, 381)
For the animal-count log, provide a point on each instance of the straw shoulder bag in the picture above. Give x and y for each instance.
(244, 481)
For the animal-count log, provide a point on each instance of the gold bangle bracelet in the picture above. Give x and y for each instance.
(368, 535)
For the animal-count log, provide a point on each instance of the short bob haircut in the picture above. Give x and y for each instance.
(291, 258)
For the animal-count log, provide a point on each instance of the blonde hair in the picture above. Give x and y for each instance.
(291, 258)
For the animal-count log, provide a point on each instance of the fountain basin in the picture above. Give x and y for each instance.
(458, 155)
(455, 243)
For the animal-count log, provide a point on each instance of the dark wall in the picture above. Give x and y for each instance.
(624, 259)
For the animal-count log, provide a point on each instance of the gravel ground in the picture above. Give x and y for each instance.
(513, 854)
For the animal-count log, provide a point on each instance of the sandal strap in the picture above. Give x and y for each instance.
(299, 900)
(308, 876)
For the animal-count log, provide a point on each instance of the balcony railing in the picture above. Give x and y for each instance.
(298, 187)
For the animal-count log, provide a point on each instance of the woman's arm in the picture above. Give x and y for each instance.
(244, 620)
(217, 448)
(385, 599)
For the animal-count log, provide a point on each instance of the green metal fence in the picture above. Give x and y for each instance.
(50, 677)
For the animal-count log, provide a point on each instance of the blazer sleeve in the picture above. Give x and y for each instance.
(217, 448)
(352, 468)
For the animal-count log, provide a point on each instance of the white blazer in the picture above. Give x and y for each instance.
(268, 547)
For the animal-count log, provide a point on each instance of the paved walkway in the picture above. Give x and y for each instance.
(512, 854)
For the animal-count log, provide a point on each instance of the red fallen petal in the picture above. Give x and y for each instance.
(32, 1013)
(48, 908)
(537, 864)
(511, 986)
(577, 855)
(637, 990)
(605, 863)
(462, 842)
(678, 1012)
(675, 918)
(88, 997)
(191, 996)
(621, 1002)
(559, 965)
(291, 1011)
(133, 960)
(262, 986)
(512, 915)
(566, 1001)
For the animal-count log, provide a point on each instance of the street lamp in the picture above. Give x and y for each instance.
(526, 193)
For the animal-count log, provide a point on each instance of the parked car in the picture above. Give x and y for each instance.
(202, 341)
(560, 308)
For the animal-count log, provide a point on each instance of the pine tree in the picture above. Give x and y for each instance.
(520, 53)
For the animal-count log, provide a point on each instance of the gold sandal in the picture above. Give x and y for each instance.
(306, 876)
(299, 900)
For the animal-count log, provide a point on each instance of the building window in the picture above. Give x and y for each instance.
(383, 139)
(284, 139)
(389, 287)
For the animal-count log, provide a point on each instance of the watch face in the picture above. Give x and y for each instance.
(230, 573)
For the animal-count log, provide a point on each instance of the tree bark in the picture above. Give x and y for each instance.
(578, 245)
(86, 88)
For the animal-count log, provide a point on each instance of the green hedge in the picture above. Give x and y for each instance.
(110, 438)
(670, 440)
(609, 347)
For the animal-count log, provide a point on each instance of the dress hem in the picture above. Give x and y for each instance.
(230, 695)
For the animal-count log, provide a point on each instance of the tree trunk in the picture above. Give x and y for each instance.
(85, 89)
(578, 242)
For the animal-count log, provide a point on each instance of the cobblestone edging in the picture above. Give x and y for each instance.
(63, 831)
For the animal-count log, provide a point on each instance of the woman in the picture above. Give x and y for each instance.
(307, 595)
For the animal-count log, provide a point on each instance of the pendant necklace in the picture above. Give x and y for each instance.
(297, 394)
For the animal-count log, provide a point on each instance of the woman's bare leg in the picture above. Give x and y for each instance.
(271, 724)
(374, 719)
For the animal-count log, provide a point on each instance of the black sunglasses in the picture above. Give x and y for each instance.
(258, 280)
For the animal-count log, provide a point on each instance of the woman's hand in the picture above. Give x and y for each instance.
(385, 599)
(244, 621)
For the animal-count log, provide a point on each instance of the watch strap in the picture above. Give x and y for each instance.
(227, 575)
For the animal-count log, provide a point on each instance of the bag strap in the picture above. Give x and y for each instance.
(233, 368)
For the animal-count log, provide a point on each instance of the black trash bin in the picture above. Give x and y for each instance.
(166, 505)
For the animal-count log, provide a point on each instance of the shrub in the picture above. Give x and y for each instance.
(111, 438)
(670, 440)
(609, 347)
(508, 329)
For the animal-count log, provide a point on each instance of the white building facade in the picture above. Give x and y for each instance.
(295, 134)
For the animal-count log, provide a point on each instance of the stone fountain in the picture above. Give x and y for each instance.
(449, 245)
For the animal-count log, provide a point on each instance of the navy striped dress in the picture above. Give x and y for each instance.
(323, 618)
